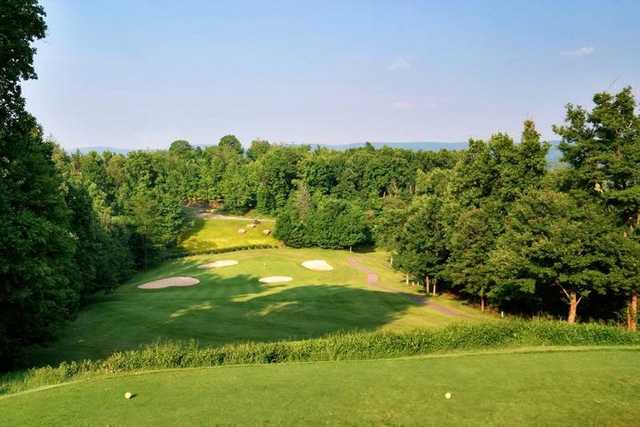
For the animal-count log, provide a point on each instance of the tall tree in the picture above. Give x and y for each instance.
(277, 170)
(472, 239)
(180, 147)
(422, 244)
(36, 247)
(553, 241)
(258, 148)
(230, 142)
(602, 146)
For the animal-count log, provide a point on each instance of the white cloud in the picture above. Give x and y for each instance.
(403, 105)
(583, 51)
(400, 64)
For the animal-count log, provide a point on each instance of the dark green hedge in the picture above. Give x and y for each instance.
(178, 253)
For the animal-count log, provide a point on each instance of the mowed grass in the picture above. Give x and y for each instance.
(223, 233)
(231, 305)
(569, 388)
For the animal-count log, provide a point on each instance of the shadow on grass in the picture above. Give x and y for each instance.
(364, 249)
(219, 310)
(197, 226)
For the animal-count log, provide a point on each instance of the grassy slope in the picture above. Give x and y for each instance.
(230, 305)
(223, 233)
(547, 388)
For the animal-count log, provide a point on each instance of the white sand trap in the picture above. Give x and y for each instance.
(276, 279)
(170, 282)
(317, 265)
(219, 264)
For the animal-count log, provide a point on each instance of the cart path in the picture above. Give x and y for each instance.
(373, 280)
(204, 214)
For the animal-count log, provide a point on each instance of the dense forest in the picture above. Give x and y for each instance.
(493, 223)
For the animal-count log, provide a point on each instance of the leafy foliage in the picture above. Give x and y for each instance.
(551, 240)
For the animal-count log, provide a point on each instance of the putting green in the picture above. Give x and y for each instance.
(591, 387)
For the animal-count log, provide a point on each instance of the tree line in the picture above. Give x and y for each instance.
(499, 227)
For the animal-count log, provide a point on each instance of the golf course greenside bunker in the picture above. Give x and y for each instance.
(170, 282)
(276, 279)
(219, 264)
(317, 265)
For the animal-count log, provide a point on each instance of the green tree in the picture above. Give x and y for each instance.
(180, 147)
(500, 171)
(238, 188)
(551, 240)
(320, 170)
(258, 148)
(37, 290)
(230, 142)
(471, 241)
(602, 146)
(389, 222)
(436, 182)
(276, 172)
(159, 219)
(488, 179)
(292, 221)
(422, 244)
(337, 224)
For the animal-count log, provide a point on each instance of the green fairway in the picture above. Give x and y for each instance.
(218, 233)
(231, 305)
(591, 387)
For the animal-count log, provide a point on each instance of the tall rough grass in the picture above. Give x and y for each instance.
(341, 346)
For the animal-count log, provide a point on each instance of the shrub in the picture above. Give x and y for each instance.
(180, 253)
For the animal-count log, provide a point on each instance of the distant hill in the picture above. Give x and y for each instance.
(553, 157)
(99, 149)
(414, 146)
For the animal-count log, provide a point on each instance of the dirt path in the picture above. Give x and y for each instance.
(373, 280)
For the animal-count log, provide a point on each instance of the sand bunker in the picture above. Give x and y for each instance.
(276, 279)
(170, 282)
(317, 265)
(220, 263)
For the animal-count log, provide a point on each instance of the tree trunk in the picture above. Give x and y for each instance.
(632, 312)
(426, 285)
(482, 302)
(406, 278)
(573, 307)
(435, 282)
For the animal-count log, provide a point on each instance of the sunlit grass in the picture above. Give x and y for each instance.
(224, 233)
(521, 388)
(231, 305)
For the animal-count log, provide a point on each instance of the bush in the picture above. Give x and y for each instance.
(181, 253)
(341, 346)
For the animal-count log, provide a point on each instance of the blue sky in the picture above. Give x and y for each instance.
(139, 74)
